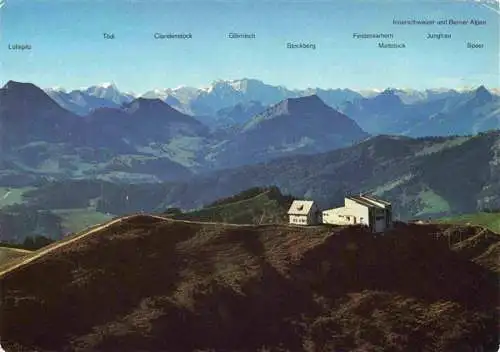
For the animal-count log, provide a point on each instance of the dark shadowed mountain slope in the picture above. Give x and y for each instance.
(107, 197)
(28, 114)
(155, 108)
(422, 177)
(303, 125)
(39, 138)
(238, 114)
(148, 127)
(143, 121)
(20, 221)
(158, 285)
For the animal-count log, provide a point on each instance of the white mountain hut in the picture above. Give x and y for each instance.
(304, 212)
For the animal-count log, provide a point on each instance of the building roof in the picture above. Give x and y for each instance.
(362, 201)
(300, 207)
(375, 199)
(369, 201)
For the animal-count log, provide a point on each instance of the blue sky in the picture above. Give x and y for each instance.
(68, 48)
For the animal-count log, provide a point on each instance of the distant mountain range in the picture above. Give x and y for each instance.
(411, 96)
(147, 140)
(82, 102)
(40, 137)
(233, 102)
(225, 94)
(212, 101)
(461, 113)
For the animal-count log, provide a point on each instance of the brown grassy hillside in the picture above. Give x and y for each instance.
(7, 254)
(147, 284)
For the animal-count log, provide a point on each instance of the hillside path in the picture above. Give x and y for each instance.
(63, 243)
(59, 245)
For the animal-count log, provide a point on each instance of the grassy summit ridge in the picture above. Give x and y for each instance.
(259, 205)
(170, 285)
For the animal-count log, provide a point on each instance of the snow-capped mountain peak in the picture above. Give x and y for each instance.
(369, 92)
(238, 85)
(108, 91)
(56, 89)
(107, 85)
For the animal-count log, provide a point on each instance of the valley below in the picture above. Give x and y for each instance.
(413, 174)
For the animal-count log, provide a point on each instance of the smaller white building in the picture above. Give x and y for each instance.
(304, 212)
